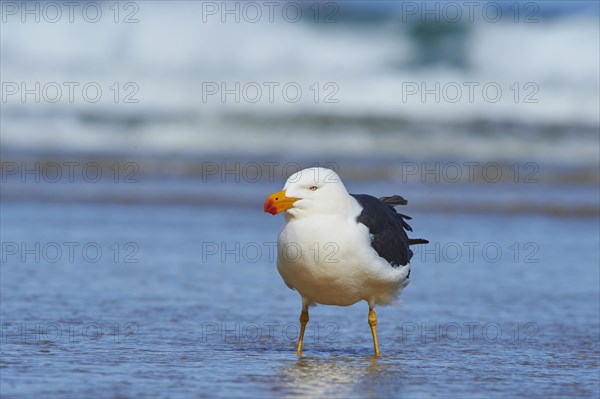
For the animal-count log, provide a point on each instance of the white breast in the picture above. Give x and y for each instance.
(329, 260)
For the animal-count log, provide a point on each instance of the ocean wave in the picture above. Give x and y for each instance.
(377, 69)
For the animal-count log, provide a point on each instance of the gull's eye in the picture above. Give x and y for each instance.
(313, 188)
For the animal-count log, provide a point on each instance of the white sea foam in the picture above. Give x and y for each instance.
(170, 53)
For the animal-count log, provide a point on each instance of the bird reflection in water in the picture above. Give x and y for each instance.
(343, 376)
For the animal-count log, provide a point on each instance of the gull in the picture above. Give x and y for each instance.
(337, 248)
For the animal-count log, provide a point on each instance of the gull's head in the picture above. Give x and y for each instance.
(310, 191)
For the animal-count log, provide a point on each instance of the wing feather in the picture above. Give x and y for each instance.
(387, 228)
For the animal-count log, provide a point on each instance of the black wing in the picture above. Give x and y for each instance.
(387, 227)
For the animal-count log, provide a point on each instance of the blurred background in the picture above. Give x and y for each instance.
(152, 132)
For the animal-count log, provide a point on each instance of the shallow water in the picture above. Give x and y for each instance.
(198, 316)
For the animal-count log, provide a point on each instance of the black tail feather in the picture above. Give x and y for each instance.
(394, 200)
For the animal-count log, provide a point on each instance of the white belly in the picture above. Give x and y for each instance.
(329, 260)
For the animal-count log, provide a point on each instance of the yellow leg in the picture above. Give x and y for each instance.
(303, 321)
(373, 324)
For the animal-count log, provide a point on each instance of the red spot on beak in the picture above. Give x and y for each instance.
(270, 207)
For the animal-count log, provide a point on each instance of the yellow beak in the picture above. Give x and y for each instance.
(278, 202)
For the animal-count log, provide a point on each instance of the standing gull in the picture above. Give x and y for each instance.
(338, 248)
